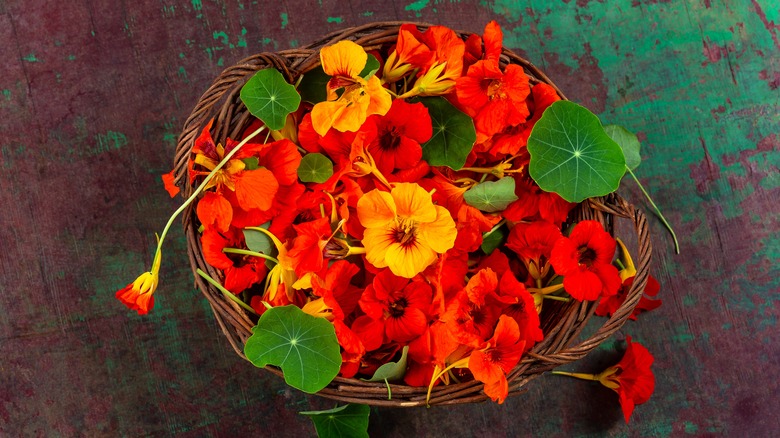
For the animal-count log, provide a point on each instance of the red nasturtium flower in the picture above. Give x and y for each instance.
(473, 312)
(241, 271)
(533, 241)
(584, 259)
(399, 134)
(311, 238)
(608, 305)
(496, 357)
(631, 378)
(495, 99)
(333, 296)
(402, 306)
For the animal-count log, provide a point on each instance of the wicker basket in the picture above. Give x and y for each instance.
(561, 322)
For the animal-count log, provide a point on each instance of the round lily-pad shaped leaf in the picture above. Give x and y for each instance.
(315, 167)
(453, 134)
(572, 155)
(270, 98)
(348, 421)
(303, 346)
(628, 142)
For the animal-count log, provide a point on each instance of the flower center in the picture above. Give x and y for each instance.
(493, 355)
(398, 307)
(390, 140)
(495, 89)
(405, 232)
(335, 249)
(587, 255)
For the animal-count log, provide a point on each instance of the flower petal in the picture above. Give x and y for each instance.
(408, 260)
(256, 189)
(408, 327)
(324, 115)
(376, 209)
(582, 285)
(439, 234)
(214, 211)
(282, 159)
(345, 58)
(170, 184)
(414, 203)
(380, 100)
(377, 242)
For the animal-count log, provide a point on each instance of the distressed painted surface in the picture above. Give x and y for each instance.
(92, 97)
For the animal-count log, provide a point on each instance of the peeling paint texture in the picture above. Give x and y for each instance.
(94, 94)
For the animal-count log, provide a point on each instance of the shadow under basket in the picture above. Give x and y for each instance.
(562, 322)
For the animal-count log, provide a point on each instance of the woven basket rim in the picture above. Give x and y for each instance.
(221, 102)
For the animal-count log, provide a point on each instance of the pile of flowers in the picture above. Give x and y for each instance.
(396, 204)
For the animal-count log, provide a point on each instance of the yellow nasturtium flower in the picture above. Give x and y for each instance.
(361, 98)
(404, 229)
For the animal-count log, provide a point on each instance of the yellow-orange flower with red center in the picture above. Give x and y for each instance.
(404, 229)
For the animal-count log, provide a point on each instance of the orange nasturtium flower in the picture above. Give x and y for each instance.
(404, 229)
(497, 357)
(437, 53)
(138, 295)
(361, 98)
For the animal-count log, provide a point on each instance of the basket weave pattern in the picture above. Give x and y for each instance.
(562, 323)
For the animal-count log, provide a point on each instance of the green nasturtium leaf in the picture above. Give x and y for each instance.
(303, 346)
(628, 142)
(260, 242)
(453, 134)
(491, 196)
(372, 66)
(392, 370)
(270, 98)
(313, 86)
(493, 240)
(315, 167)
(571, 154)
(251, 163)
(348, 421)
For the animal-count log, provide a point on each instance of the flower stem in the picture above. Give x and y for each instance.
(203, 184)
(249, 253)
(582, 376)
(556, 298)
(227, 293)
(437, 374)
(546, 290)
(657, 211)
(355, 250)
(496, 227)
